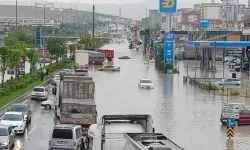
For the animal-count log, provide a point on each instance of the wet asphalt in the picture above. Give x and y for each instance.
(181, 112)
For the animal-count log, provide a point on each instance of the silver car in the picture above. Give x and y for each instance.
(66, 137)
(7, 137)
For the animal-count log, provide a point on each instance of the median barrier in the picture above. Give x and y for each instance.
(21, 98)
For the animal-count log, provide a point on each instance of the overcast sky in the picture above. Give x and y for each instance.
(135, 9)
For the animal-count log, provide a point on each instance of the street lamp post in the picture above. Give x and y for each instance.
(16, 14)
(44, 19)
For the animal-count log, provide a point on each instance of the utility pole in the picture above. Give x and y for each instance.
(44, 25)
(16, 14)
(93, 30)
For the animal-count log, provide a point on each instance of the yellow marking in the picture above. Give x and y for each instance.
(168, 3)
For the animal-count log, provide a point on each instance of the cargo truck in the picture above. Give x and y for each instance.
(96, 58)
(81, 59)
(108, 134)
(109, 54)
(75, 102)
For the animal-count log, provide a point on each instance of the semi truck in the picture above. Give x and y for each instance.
(81, 59)
(108, 134)
(75, 102)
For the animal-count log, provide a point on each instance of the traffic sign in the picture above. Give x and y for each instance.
(204, 23)
(230, 122)
(168, 6)
(38, 32)
(169, 38)
(230, 132)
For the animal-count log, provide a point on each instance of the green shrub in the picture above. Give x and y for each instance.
(29, 78)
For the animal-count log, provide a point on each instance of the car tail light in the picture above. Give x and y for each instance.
(74, 143)
(49, 141)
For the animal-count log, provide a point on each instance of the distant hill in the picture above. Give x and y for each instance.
(134, 11)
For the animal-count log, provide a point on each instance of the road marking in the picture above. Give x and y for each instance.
(32, 130)
(26, 101)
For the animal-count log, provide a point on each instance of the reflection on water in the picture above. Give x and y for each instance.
(180, 111)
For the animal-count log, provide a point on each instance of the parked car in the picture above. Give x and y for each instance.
(109, 68)
(236, 111)
(48, 104)
(24, 108)
(229, 81)
(7, 137)
(146, 84)
(66, 137)
(15, 119)
(39, 92)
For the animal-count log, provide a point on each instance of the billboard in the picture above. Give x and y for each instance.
(21, 66)
(169, 47)
(204, 23)
(168, 6)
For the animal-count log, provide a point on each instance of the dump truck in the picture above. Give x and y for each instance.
(109, 54)
(75, 102)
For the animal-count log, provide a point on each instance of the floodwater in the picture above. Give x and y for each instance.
(181, 112)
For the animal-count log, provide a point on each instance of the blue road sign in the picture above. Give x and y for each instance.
(230, 122)
(38, 36)
(169, 47)
(168, 6)
(204, 23)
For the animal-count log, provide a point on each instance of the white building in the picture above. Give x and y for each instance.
(155, 17)
(211, 10)
(29, 21)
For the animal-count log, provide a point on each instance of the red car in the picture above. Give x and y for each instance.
(236, 111)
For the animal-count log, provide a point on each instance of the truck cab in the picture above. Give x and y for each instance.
(109, 133)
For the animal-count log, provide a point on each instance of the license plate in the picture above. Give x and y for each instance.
(61, 143)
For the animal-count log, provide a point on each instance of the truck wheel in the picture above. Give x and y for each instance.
(47, 107)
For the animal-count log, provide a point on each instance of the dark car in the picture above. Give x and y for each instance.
(24, 108)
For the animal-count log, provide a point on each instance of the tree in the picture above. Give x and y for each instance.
(87, 41)
(10, 41)
(72, 48)
(56, 46)
(32, 56)
(25, 35)
(4, 56)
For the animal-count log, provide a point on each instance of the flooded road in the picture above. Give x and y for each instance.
(181, 112)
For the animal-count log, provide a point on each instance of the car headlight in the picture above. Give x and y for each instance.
(5, 143)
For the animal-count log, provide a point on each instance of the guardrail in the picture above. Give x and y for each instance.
(21, 98)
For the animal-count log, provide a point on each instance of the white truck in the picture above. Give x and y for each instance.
(75, 100)
(149, 141)
(81, 59)
(108, 134)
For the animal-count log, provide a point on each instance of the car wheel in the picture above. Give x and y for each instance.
(47, 107)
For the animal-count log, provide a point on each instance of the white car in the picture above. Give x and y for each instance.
(146, 84)
(16, 120)
(48, 104)
(67, 71)
(39, 92)
(229, 81)
(56, 79)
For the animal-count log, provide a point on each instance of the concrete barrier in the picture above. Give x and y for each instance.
(21, 98)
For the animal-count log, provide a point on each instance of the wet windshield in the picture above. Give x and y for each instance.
(62, 134)
(12, 117)
(146, 81)
(3, 132)
(19, 108)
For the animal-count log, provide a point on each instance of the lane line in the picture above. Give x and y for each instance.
(32, 130)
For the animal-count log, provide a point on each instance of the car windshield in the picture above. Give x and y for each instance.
(12, 117)
(146, 81)
(3, 132)
(62, 134)
(19, 108)
(38, 89)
